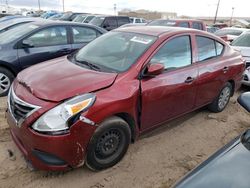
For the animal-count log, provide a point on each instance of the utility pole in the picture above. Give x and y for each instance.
(231, 20)
(63, 6)
(115, 9)
(39, 5)
(217, 9)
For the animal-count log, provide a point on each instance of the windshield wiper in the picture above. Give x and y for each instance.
(90, 65)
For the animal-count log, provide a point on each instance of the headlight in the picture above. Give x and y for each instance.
(55, 120)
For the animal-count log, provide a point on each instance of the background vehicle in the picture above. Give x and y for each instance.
(242, 44)
(195, 24)
(212, 29)
(133, 25)
(228, 167)
(110, 22)
(230, 33)
(36, 42)
(70, 16)
(113, 91)
(55, 17)
(84, 18)
(134, 20)
(48, 14)
(10, 24)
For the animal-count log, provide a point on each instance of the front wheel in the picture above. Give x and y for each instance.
(108, 144)
(220, 103)
(6, 78)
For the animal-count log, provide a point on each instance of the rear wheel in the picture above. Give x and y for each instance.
(108, 144)
(220, 103)
(6, 78)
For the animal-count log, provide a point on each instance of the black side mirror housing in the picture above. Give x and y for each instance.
(244, 100)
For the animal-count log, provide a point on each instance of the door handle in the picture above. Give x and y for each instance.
(66, 50)
(189, 80)
(225, 69)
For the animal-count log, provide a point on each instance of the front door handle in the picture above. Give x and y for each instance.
(189, 80)
(225, 69)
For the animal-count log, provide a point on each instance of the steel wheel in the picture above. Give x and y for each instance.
(224, 97)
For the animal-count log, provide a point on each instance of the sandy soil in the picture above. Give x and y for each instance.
(157, 159)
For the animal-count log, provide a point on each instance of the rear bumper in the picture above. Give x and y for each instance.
(52, 153)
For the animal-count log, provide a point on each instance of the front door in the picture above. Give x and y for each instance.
(44, 45)
(173, 92)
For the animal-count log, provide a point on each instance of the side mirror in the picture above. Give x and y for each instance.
(27, 44)
(155, 69)
(244, 100)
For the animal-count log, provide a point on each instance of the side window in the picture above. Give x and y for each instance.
(83, 34)
(138, 20)
(184, 24)
(49, 37)
(122, 21)
(175, 53)
(208, 48)
(197, 25)
(110, 22)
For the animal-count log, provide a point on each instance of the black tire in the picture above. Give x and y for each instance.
(109, 144)
(6, 78)
(217, 106)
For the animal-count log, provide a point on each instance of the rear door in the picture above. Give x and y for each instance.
(46, 44)
(82, 35)
(213, 70)
(173, 92)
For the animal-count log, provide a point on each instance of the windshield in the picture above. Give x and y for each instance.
(162, 23)
(15, 33)
(243, 40)
(79, 18)
(97, 21)
(115, 51)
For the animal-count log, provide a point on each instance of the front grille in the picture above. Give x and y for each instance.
(19, 109)
(245, 77)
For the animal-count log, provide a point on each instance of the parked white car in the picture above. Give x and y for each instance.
(242, 44)
(134, 20)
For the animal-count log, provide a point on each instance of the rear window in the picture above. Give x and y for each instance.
(243, 40)
(208, 48)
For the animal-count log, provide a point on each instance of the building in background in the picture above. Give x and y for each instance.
(148, 15)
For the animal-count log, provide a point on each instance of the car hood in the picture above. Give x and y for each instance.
(59, 79)
(229, 167)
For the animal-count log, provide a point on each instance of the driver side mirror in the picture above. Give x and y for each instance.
(154, 69)
(27, 44)
(244, 100)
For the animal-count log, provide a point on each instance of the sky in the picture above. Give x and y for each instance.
(181, 7)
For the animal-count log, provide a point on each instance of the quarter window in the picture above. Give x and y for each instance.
(83, 34)
(208, 48)
(49, 37)
(176, 53)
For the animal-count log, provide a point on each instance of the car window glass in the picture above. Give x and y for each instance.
(138, 20)
(110, 22)
(184, 24)
(83, 34)
(49, 37)
(175, 53)
(206, 48)
(197, 25)
(219, 48)
(122, 21)
(243, 40)
(222, 32)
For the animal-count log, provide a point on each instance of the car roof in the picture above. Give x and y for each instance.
(156, 30)
(185, 20)
(110, 16)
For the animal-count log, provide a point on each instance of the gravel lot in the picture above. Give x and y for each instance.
(157, 159)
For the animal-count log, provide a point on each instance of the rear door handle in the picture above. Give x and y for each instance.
(189, 80)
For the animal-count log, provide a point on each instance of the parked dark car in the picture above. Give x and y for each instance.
(88, 107)
(110, 22)
(189, 23)
(9, 24)
(36, 42)
(69, 16)
(228, 167)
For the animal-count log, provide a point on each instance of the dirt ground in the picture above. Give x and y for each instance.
(157, 159)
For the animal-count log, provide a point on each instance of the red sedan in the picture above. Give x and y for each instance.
(88, 107)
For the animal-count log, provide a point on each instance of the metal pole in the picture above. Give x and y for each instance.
(231, 20)
(115, 9)
(63, 6)
(217, 9)
(39, 5)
